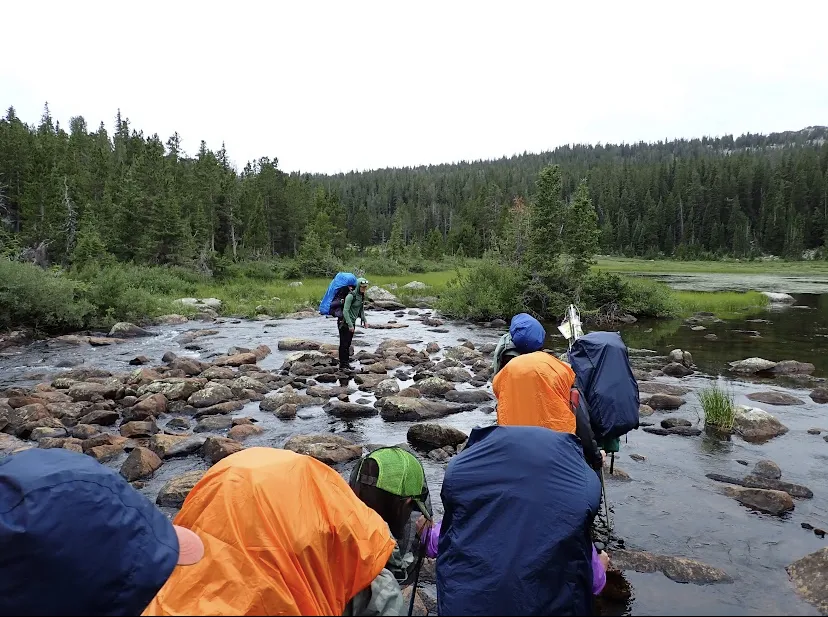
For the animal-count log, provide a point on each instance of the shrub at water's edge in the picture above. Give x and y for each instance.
(718, 407)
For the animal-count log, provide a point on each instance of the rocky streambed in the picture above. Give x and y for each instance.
(701, 523)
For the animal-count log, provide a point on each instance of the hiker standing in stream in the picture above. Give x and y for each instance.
(354, 308)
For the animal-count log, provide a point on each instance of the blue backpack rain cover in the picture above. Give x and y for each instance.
(342, 279)
(515, 536)
(605, 379)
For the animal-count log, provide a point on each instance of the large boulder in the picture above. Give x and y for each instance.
(681, 357)
(216, 448)
(124, 329)
(455, 374)
(343, 409)
(778, 298)
(468, 396)
(684, 431)
(394, 408)
(810, 577)
(212, 394)
(141, 463)
(21, 421)
(430, 436)
(139, 428)
(237, 359)
(175, 491)
(792, 367)
(212, 424)
(367, 383)
(297, 344)
(674, 369)
(174, 388)
(679, 569)
(100, 416)
(248, 383)
(379, 294)
(764, 482)
(434, 386)
(153, 406)
(171, 446)
(387, 387)
(89, 390)
(330, 449)
(274, 400)
(772, 397)
(757, 425)
(462, 353)
(665, 401)
(767, 501)
(218, 372)
(240, 432)
(819, 395)
(751, 365)
(767, 469)
(658, 387)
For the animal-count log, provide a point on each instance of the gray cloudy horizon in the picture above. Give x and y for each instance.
(333, 87)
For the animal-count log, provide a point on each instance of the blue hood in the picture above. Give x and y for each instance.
(515, 536)
(527, 333)
(77, 539)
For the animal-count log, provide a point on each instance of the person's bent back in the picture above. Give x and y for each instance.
(284, 535)
(515, 536)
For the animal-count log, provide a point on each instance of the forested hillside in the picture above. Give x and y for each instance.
(68, 195)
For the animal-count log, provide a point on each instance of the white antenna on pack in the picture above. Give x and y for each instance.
(571, 326)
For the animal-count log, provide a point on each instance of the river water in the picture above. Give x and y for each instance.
(668, 507)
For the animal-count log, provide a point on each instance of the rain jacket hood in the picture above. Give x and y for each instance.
(283, 533)
(533, 390)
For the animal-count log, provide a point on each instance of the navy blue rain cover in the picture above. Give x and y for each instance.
(77, 539)
(604, 376)
(342, 279)
(514, 539)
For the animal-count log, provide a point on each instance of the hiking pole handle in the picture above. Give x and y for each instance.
(420, 558)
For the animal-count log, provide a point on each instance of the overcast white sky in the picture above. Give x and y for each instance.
(335, 86)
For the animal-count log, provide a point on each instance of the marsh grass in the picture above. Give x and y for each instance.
(718, 407)
(723, 304)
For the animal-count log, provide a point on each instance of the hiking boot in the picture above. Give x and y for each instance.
(347, 368)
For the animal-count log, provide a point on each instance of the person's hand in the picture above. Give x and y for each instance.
(351, 329)
(421, 523)
(603, 456)
(604, 559)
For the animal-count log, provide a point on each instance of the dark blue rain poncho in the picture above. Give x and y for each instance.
(605, 378)
(77, 539)
(515, 540)
(342, 279)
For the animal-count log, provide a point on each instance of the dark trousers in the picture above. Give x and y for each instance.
(345, 338)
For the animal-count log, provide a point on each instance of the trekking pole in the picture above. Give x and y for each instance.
(420, 558)
(606, 506)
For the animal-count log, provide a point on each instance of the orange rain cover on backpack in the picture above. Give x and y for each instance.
(533, 390)
(283, 534)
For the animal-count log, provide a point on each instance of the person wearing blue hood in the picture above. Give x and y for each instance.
(525, 335)
(77, 539)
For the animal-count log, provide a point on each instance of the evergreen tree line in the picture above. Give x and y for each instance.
(74, 196)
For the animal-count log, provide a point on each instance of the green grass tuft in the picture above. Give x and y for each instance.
(718, 407)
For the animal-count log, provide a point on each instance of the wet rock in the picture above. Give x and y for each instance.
(378, 368)
(106, 452)
(21, 421)
(751, 365)
(679, 356)
(124, 329)
(139, 360)
(67, 443)
(240, 432)
(819, 395)
(698, 329)
(645, 410)
(341, 409)
(657, 387)
(779, 298)
(212, 394)
(674, 369)
(617, 473)
(306, 369)
(297, 344)
(640, 458)
(767, 469)
(432, 348)
(754, 481)
(430, 436)
(771, 397)
(175, 491)
(153, 406)
(497, 323)
(208, 424)
(143, 376)
(368, 382)
(791, 367)
(174, 388)
(763, 500)
(286, 411)
(218, 409)
(757, 425)
(237, 360)
(439, 455)
(274, 400)
(178, 423)
(679, 569)
(163, 445)
(82, 374)
(409, 392)
(216, 448)
(190, 366)
(455, 374)
(462, 353)
(810, 577)
(42, 432)
(685, 431)
(665, 401)
(673, 422)
(172, 319)
(218, 372)
(814, 431)
(434, 386)
(141, 463)
(395, 408)
(468, 396)
(87, 391)
(103, 439)
(84, 431)
(330, 449)
(102, 417)
(327, 392)
(138, 428)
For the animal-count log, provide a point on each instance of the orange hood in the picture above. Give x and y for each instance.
(283, 535)
(533, 390)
